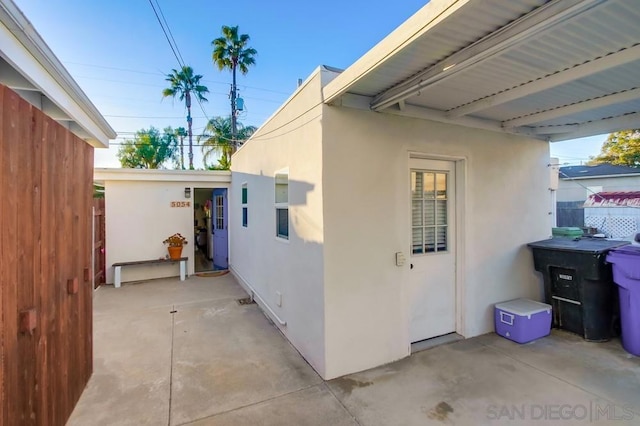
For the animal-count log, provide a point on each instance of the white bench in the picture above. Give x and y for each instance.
(117, 267)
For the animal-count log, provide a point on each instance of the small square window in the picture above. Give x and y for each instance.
(245, 207)
(281, 192)
(282, 219)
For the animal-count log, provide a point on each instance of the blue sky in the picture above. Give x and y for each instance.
(118, 54)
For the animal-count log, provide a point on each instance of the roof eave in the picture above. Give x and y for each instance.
(421, 22)
(601, 176)
(86, 115)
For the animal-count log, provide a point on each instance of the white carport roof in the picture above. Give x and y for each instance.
(554, 70)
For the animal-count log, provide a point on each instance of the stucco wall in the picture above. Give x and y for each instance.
(573, 190)
(266, 264)
(139, 217)
(366, 220)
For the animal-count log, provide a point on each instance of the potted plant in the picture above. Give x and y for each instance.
(175, 244)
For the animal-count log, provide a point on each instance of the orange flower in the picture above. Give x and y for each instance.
(176, 240)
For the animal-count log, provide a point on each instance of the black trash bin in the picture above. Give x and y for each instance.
(578, 284)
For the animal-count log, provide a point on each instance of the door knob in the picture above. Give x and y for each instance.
(412, 266)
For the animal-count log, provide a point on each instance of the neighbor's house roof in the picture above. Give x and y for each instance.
(29, 67)
(614, 199)
(597, 171)
(554, 70)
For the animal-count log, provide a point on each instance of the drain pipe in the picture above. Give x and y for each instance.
(262, 302)
(253, 295)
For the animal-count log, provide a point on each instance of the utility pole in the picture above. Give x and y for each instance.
(234, 123)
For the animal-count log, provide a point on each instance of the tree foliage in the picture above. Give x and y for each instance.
(183, 84)
(621, 148)
(217, 139)
(149, 149)
(180, 133)
(231, 51)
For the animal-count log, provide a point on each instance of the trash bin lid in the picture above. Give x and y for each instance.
(589, 245)
(628, 249)
(626, 265)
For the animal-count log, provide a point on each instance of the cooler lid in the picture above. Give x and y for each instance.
(589, 245)
(523, 307)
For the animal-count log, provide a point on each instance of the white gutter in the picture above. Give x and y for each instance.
(599, 176)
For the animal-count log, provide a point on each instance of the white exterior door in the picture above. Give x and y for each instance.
(432, 286)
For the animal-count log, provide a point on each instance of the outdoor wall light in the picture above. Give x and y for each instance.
(187, 193)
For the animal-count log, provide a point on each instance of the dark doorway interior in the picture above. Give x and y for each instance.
(202, 229)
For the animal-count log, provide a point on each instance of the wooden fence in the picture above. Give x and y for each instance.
(99, 264)
(45, 248)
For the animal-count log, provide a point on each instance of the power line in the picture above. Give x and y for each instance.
(161, 73)
(133, 143)
(178, 56)
(142, 116)
(288, 122)
(114, 68)
(170, 33)
(165, 33)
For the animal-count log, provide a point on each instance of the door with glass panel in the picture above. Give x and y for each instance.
(432, 286)
(220, 231)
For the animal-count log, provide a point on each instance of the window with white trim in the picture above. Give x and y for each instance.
(429, 226)
(245, 205)
(282, 205)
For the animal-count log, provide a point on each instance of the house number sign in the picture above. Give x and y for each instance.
(181, 204)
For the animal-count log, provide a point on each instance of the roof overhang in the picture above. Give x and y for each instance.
(160, 175)
(629, 175)
(28, 66)
(553, 70)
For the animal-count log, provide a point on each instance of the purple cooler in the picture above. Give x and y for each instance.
(522, 320)
(626, 273)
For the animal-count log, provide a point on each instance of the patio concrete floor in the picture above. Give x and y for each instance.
(173, 353)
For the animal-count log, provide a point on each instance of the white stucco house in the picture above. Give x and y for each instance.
(143, 207)
(577, 183)
(392, 202)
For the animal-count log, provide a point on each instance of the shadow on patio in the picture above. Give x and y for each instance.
(172, 353)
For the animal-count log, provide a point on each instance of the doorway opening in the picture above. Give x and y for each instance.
(210, 229)
(433, 248)
(202, 229)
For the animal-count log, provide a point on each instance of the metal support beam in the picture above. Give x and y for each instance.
(413, 111)
(601, 127)
(576, 108)
(580, 71)
(509, 36)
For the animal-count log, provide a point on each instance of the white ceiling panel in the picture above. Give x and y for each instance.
(498, 60)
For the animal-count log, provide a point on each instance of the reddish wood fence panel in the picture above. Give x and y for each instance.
(46, 190)
(99, 261)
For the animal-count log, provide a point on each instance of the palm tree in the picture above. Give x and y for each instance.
(218, 139)
(183, 84)
(231, 52)
(180, 132)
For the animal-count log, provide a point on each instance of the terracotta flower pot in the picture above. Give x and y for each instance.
(175, 252)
